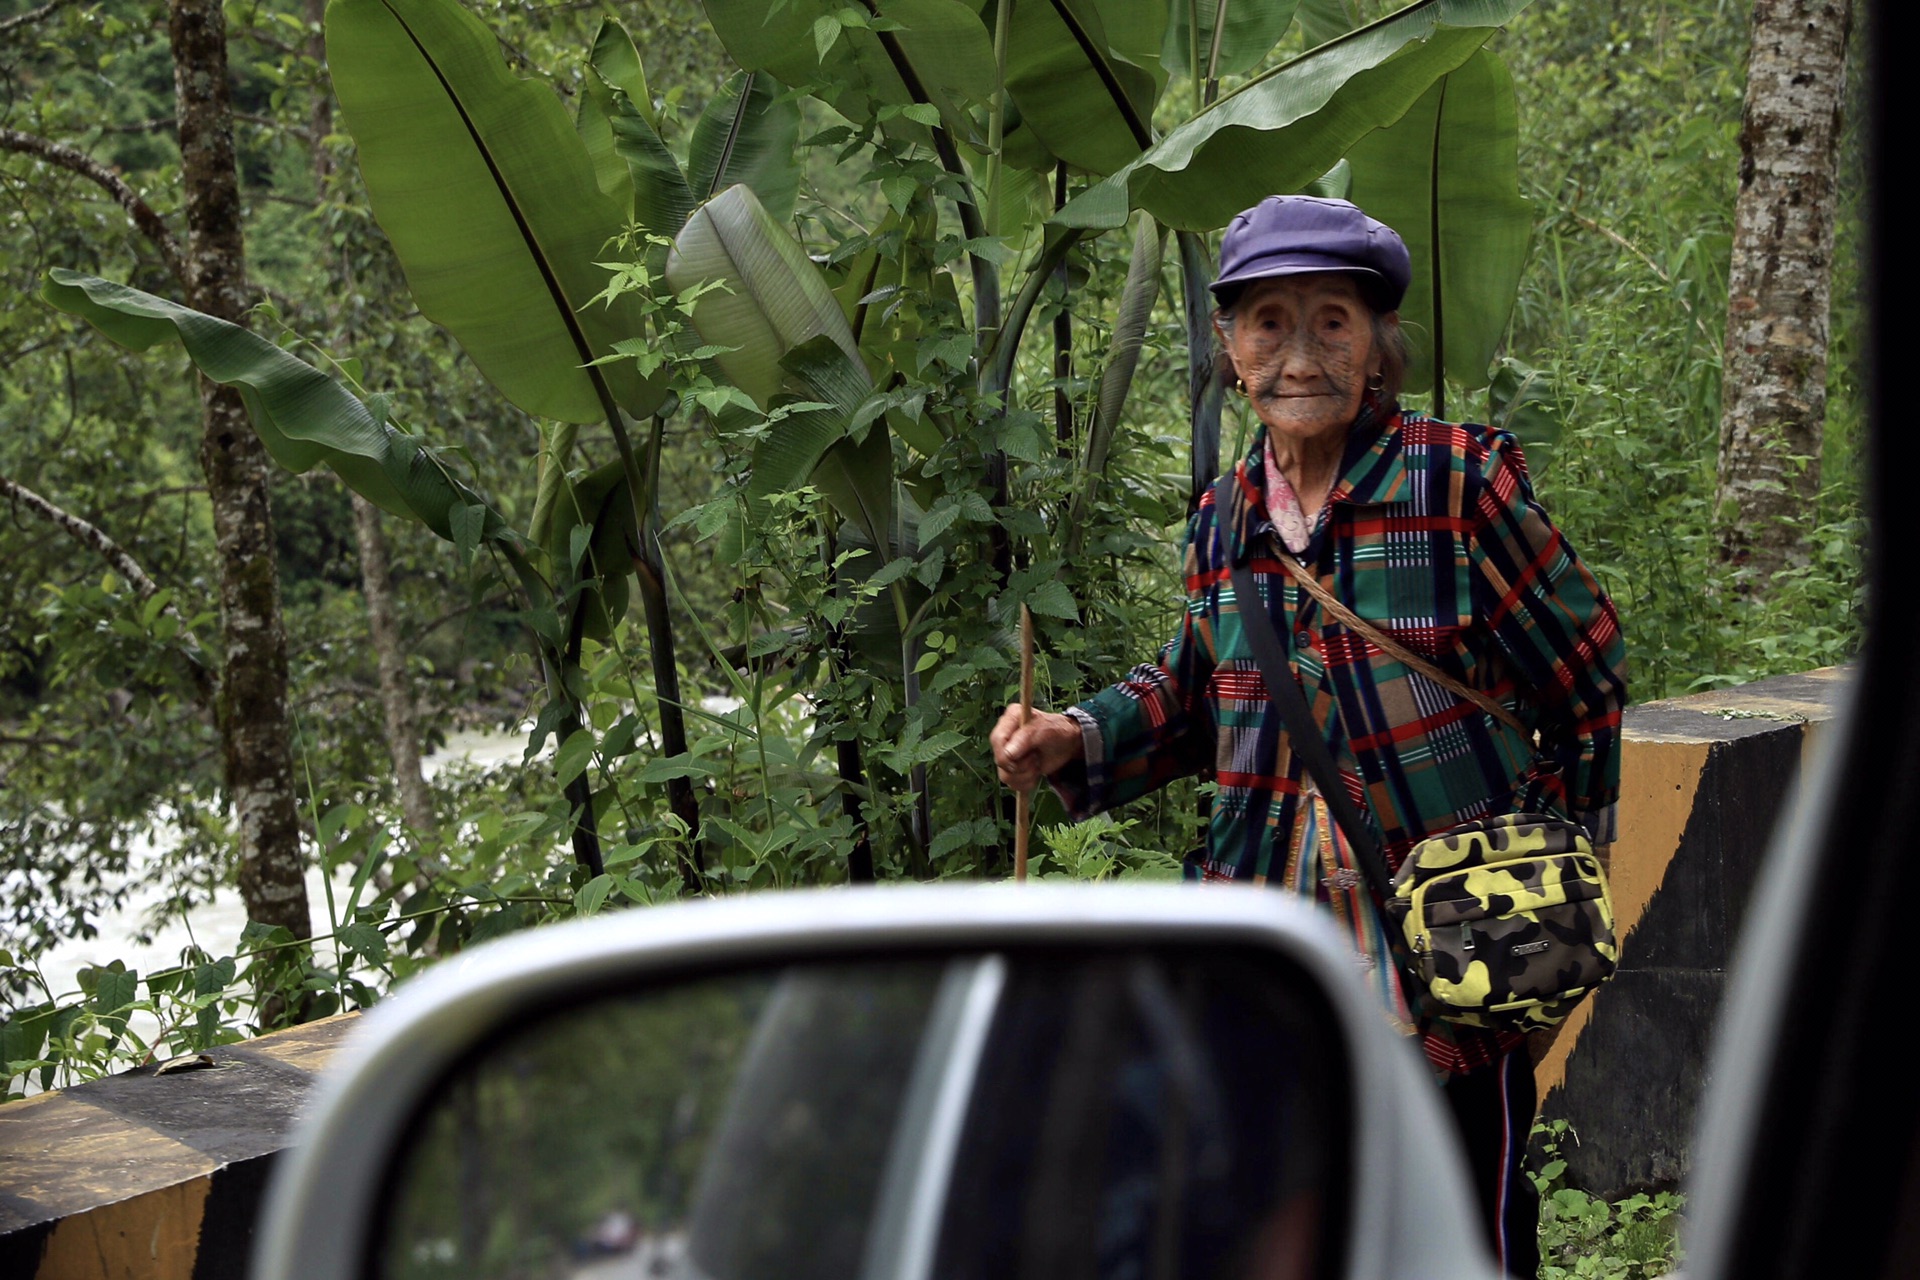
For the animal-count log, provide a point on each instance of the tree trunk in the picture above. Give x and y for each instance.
(396, 691)
(1779, 283)
(255, 730)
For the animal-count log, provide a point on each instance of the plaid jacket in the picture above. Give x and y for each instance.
(1432, 534)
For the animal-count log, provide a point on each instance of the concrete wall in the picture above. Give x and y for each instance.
(153, 1177)
(1702, 779)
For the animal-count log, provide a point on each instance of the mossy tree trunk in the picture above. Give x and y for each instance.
(396, 687)
(255, 727)
(1779, 285)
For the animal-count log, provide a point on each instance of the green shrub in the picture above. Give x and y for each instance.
(1636, 1238)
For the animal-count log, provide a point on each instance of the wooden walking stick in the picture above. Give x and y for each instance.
(1023, 800)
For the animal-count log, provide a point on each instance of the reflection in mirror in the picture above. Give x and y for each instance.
(1101, 1114)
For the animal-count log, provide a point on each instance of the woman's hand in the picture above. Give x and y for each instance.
(1049, 742)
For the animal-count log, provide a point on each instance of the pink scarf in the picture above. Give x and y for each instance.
(1289, 518)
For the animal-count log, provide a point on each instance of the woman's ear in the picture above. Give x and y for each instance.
(1222, 335)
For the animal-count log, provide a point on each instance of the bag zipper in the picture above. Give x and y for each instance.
(1416, 903)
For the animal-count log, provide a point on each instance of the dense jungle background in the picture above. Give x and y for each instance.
(783, 694)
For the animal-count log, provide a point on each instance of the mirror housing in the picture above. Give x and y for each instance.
(1408, 1212)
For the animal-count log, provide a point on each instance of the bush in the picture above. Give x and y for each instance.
(1636, 1238)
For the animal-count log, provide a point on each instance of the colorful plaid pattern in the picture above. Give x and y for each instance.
(1431, 534)
(1323, 868)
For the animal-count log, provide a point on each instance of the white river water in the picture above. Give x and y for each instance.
(216, 925)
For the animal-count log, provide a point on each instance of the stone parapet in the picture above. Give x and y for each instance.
(1702, 779)
(148, 1176)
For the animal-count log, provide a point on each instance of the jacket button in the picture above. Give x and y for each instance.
(1304, 636)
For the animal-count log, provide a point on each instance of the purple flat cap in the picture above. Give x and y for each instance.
(1294, 235)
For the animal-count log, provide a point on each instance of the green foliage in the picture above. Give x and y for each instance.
(111, 771)
(1629, 148)
(1446, 177)
(502, 868)
(531, 199)
(1287, 126)
(489, 198)
(1584, 1238)
(1069, 75)
(1247, 39)
(839, 48)
(304, 417)
(1099, 849)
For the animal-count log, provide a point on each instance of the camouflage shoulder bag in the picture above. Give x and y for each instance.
(1504, 923)
(1509, 919)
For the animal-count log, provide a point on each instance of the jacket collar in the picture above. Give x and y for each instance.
(1374, 471)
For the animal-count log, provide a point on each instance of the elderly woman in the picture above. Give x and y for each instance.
(1429, 531)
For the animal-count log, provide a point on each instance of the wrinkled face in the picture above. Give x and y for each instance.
(1304, 347)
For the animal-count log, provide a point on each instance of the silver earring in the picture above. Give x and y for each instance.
(1376, 383)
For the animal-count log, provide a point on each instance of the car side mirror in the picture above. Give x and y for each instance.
(947, 1082)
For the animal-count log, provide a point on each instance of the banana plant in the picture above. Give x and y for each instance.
(494, 207)
(746, 134)
(304, 417)
(783, 338)
(499, 203)
(914, 66)
(1136, 299)
(1211, 38)
(1073, 87)
(1447, 177)
(737, 185)
(499, 207)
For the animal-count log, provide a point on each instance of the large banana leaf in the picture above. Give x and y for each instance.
(1253, 27)
(1136, 30)
(616, 85)
(304, 417)
(873, 628)
(1324, 20)
(1025, 197)
(857, 478)
(786, 337)
(1335, 184)
(1447, 178)
(1020, 147)
(617, 124)
(595, 126)
(645, 167)
(617, 62)
(1205, 395)
(601, 505)
(1289, 126)
(748, 133)
(1123, 357)
(774, 298)
(1069, 73)
(490, 199)
(944, 43)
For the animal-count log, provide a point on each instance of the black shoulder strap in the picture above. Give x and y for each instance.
(1303, 733)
